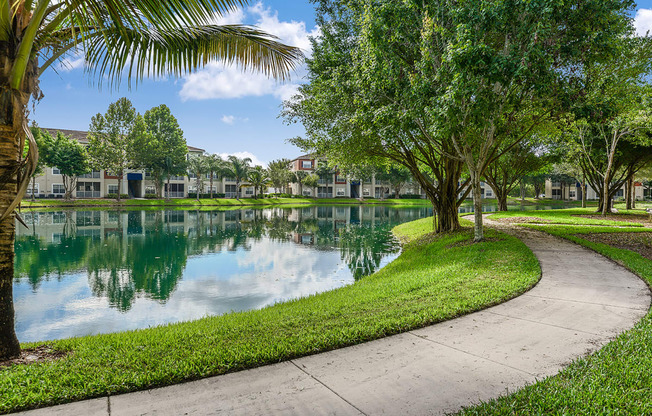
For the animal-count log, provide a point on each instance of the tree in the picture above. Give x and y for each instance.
(504, 173)
(312, 181)
(129, 37)
(239, 170)
(258, 179)
(279, 173)
(215, 168)
(66, 154)
(298, 177)
(395, 176)
(197, 165)
(161, 148)
(112, 139)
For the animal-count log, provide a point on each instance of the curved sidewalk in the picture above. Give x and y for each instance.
(582, 301)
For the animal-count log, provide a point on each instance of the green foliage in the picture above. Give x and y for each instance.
(258, 178)
(238, 169)
(411, 292)
(279, 173)
(66, 154)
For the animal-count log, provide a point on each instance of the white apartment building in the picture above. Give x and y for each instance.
(135, 183)
(573, 191)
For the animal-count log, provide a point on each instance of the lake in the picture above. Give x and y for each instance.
(98, 271)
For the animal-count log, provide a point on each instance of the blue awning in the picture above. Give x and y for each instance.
(134, 176)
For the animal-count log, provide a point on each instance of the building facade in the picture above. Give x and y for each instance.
(135, 184)
(573, 191)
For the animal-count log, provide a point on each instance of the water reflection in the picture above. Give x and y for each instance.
(100, 271)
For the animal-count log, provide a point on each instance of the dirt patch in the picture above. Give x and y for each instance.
(34, 355)
(641, 219)
(641, 243)
(522, 220)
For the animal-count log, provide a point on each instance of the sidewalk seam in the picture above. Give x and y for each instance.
(473, 355)
(544, 323)
(330, 389)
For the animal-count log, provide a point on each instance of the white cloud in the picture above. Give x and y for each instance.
(217, 80)
(254, 160)
(228, 119)
(234, 17)
(643, 21)
(73, 62)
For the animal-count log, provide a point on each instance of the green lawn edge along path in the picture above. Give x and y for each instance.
(434, 279)
(614, 380)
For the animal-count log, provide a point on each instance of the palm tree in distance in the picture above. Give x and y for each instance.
(239, 170)
(215, 168)
(258, 178)
(198, 165)
(138, 38)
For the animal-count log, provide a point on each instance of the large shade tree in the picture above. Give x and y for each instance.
(136, 38)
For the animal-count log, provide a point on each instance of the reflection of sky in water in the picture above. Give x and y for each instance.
(212, 280)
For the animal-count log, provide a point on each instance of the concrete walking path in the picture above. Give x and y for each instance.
(582, 301)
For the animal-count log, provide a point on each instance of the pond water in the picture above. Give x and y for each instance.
(88, 272)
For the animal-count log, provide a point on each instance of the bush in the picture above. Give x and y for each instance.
(409, 196)
(151, 196)
(115, 196)
(193, 195)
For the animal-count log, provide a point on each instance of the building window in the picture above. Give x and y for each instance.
(88, 190)
(150, 190)
(306, 164)
(571, 193)
(112, 189)
(177, 178)
(31, 190)
(366, 192)
(230, 191)
(249, 191)
(95, 174)
(176, 190)
(56, 171)
(340, 192)
(58, 189)
(340, 179)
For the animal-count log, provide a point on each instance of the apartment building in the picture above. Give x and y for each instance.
(136, 183)
(573, 191)
(338, 185)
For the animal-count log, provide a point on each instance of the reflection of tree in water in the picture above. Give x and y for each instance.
(147, 258)
(38, 260)
(363, 246)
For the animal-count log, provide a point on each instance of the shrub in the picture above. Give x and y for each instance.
(151, 196)
(410, 196)
(115, 196)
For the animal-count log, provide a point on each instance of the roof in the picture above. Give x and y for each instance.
(306, 156)
(82, 137)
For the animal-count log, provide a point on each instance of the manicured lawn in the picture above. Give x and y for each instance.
(434, 279)
(615, 380)
(572, 216)
(217, 202)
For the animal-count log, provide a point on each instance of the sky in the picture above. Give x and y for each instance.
(221, 109)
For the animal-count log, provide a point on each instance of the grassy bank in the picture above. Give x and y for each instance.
(614, 380)
(571, 216)
(435, 278)
(218, 202)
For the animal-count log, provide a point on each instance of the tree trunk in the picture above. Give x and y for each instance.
(237, 189)
(583, 193)
(33, 185)
(119, 187)
(211, 185)
(502, 203)
(478, 231)
(12, 116)
(167, 191)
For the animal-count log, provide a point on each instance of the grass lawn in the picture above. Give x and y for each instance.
(435, 278)
(214, 203)
(615, 380)
(571, 216)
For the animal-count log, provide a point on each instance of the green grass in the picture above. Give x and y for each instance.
(218, 202)
(569, 216)
(435, 278)
(547, 201)
(616, 380)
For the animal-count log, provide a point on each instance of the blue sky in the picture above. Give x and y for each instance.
(221, 110)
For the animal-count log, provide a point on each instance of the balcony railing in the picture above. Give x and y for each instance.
(87, 194)
(324, 195)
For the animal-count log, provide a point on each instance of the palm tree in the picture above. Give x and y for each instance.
(138, 38)
(197, 165)
(258, 178)
(298, 177)
(215, 167)
(239, 170)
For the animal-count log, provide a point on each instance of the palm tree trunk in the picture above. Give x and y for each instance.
(12, 116)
